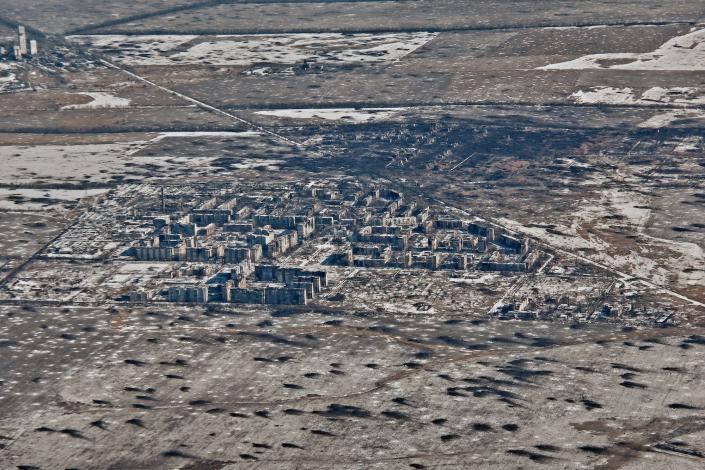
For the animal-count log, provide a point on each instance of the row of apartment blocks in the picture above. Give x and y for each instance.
(377, 206)
(440, 244)
(181, 243)
(399, 240)
(383, 257)
(453, 234)
(271, 285)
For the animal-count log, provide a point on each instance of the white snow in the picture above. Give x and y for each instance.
(101, 99)
(681, 53)
(685, 52)
(629, 205)
(658, 262)
(246, 50)
(192, 134)
(6, 81)
(683, 96)
(605, 95)
(689, 144)
(261, 71)
(22, 164)
(164, 135)
(262, 163)
(483, 279)
(669, 117)
(662, 120)
(134, 46)
(335, 114)
(653, 96)
(68, 195)
(677, 95)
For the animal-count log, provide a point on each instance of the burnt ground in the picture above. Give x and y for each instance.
(194, 388)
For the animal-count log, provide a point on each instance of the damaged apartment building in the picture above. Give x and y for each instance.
(242, 233)
(235, 236)
(393, 233)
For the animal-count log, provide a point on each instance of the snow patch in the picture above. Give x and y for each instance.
(39, 199)
(604, 95)
(483, 279)
(42, 163)
(653, 96)
(669, 117)
(335, 114)
(246, 50)
(685, 52)
(192, 134)
(101, 100)
(164, 135)
(689, 144)
(8, 79)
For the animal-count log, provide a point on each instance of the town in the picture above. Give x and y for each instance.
(352, 234)
(299, 244)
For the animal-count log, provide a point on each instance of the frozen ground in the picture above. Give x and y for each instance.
(62, 163)
(685, 53)
(23, 233)
(183, 388)
(335, 114)
(653, 96)
(106, 163)
(247, 50)
(592, 231)
(8, 77)
(100, 99)
(667, 118)
(42, 199)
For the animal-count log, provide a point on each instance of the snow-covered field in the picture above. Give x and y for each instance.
(64, 163)
(692, 143)
(135, 47)
(653, 96)
(246, 50)
(681, 53)
(685, 52)
(666, 118)
(100, 100)
(38, 199)
(662, 261)
(335, 114)
(8, 78)
(605, 95)
(101, 163)
(190, 134)
(683, 96)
